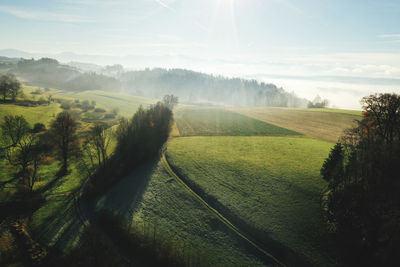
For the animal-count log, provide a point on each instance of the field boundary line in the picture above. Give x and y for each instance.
(215, 212)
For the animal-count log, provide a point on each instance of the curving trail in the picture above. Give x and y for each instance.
(219, 215)
(61, 194)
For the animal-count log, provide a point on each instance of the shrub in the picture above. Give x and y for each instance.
(99, 110)
(109, 116)
(38, 127)
(65, 105)
(37, 92)
(76, 114)
(115, 111)
(43, 101)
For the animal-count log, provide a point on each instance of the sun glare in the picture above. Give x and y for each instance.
(226, 4)
(227, 7)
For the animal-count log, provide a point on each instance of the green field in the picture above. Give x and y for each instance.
(207, 122)
(272, 183)
(323, 124)
(127, 104)
(43, 114)
(149, 198)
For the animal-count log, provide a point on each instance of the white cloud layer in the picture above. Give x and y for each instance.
(44, 16)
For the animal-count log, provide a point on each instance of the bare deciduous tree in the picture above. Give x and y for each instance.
(97, 143)
(63, 129)
(170, 101)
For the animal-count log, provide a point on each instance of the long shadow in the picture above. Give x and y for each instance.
(54, 183)
(123, 198)
(12, 180)
(284, 253)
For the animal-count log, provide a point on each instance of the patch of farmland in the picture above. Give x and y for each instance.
(271, 185)
(150, 199)
(43, 114)
(127, 104)
(208, 122)
(323, 124)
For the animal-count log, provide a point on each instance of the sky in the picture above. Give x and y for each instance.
(338, 49)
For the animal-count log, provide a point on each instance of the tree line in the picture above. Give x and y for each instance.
(189, 86)
(47, 72)
(196, 87)
(362, 203)
(138, 139)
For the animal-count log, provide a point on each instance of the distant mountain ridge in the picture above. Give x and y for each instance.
(189, 86)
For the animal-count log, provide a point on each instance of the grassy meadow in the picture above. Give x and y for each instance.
(43, 114)
(127, 104)
(271, 183)
(208, 122)
(149, 198)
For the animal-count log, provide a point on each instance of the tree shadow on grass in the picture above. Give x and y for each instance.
(55, 182)
(10, 181)
(124, 197)
(57, 223)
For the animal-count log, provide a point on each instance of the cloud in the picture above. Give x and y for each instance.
(161, 3)
(390, 36)
(43, 16)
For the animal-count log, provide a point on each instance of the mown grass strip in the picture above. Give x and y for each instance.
(217, 214)
(212, 121)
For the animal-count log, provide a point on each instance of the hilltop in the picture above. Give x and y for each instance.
(190, 86)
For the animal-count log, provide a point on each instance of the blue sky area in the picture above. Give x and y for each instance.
(290, 42)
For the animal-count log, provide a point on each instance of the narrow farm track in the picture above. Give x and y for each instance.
(67, 193)
(220, 217)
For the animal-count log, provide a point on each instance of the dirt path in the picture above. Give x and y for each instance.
(220, 217)
(49, 196)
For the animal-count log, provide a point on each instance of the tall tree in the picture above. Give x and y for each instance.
(63, 130)
(170, 101)
(15, 87)
(9, 86)
(363, 172)
(4, 88)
